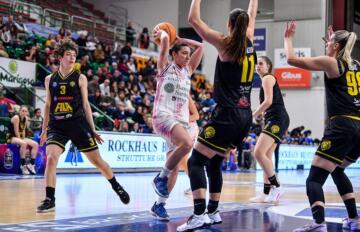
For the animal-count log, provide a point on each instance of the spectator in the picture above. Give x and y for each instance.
(6, 104)
(35, 124)
(105, 88)
(5, 35)
(126, 51)
(81, 42)
(62, 33)
(130, 33)
(131, 66)
(144, 39)
(3, 52)
(99, 54)
(21, 25)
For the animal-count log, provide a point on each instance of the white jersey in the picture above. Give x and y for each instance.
(172, 93)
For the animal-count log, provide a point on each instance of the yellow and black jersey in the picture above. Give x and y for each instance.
(233, 81)
(343, 93)
(277, 101)
(66, 101)
(22, 129)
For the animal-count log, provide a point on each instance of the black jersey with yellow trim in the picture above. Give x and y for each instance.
(66, 100)
(343, 92)
(277, 101)
(233, 80)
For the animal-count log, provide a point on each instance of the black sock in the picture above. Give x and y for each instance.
(267, 188)
(50, 193)
(212, 206)
(273, 181)
(114, 184)
(22, 161)
(318, 213)
(350, 205)
(32, 161)
(199, 206)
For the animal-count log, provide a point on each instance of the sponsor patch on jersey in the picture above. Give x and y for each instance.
(325, 145)
(209, 132)
(72, 83)
(275, 129)
(249, 50)
(55, 98)
(54, 84)
(169, 87)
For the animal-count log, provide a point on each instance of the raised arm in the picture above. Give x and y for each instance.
(252, 11)
(204, 31)
(320, 63)
(164, 48)
(268, 83)
(196, 55)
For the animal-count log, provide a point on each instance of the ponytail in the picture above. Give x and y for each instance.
(236, 43)
(347, 41)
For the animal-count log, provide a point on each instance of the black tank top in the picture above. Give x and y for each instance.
(277, 101)
(233, 81)
(22, 128)
(343, 93)
(66, 101)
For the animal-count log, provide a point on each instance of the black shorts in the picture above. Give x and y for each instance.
(276, 125)
(341, 140)
(77, 130)
(226, 128)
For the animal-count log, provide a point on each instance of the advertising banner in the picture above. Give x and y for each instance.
(22, 72)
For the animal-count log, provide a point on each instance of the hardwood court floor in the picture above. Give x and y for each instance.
(90, 195)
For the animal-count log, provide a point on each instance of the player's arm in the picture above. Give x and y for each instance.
(268, 83)
(319, 63)
(204, 31)
(15, 121)
(164, 48)
(194, 114)
(252, 11)
(196, 55)
(83, 84)
(46, 106)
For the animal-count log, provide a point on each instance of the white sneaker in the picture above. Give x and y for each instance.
(261, 198)
(215, 217)
(31, 169)
(24, 170)
(275, 194)
(195, 222)
(351, 224)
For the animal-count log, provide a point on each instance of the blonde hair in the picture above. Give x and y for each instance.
(347, 41)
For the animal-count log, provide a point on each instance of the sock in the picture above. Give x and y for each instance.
(212, 206)
(114, 184)
(199, 206)
(267, 188)
(161, 200)
(350, 205)
(318, 213)
(50, 193)
(273, 181)
(164, 172)
(32, 161)
(22, 161)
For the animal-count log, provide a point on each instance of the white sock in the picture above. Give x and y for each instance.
(161, 200)
(164, 172)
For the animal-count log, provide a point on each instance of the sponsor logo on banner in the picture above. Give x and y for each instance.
(293, 77)
(17, 72)
(260, 39)
(280, 57)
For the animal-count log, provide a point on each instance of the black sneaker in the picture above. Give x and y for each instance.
(124, 196)
(47, 205)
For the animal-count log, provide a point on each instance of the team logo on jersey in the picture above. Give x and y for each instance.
(55, 98)
(63, 107)
(209, 132)
(325, 145)
(54, 84)
(250, 50)
(72, 83)
(275, 129)
(169, 87)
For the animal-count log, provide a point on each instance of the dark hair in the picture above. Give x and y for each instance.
(236, 42)
(268, 62)
(65, 45)
(176, 48)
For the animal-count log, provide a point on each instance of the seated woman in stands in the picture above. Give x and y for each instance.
(17, 135)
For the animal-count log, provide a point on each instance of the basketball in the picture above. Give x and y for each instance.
(169, 29)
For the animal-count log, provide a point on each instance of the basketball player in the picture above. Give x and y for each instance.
(17, 135)
(231, 119)
(276, 123)
(158, 209)
(68, 116)
(340, 144)
(171, 106)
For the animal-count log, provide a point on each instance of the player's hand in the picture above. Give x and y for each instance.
(330, 32)
(290, 29)
(43, 137)
(156, 33)
(98, 138)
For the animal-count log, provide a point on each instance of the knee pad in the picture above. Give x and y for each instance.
(314, 183)
(213, 170)
(342, 181)
(196, 166)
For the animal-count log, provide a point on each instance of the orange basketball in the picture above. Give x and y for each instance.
(170, 30)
